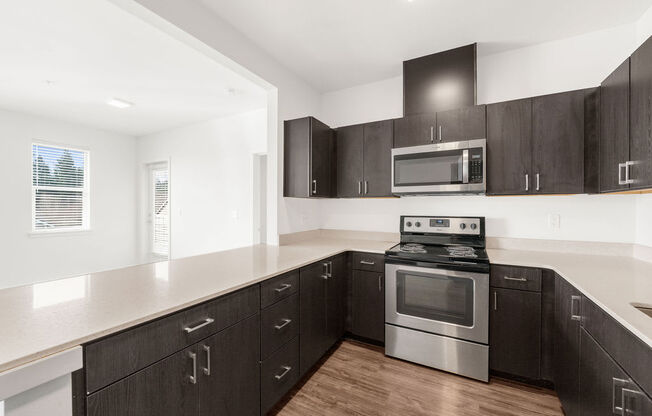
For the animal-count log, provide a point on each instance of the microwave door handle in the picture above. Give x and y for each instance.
(465, 166)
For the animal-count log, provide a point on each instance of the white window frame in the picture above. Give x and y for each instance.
(151, 167)
(86, 199)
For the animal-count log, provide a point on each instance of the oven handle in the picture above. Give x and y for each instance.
(465, 166)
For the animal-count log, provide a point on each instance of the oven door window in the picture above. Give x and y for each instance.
(435, 297)
(432, 168)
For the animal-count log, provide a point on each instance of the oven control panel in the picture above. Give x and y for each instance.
(442, 225)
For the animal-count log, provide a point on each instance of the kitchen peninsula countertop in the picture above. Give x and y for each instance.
(41, 319)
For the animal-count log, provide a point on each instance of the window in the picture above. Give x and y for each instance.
(59, 189)
(159, 185)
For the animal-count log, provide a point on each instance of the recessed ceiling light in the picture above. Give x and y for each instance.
(118, 103)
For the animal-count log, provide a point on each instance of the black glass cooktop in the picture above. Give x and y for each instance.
(439, 253)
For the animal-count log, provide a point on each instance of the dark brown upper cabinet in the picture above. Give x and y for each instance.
(364, 160)
(509, 147)
(439, 82)
(614, 129)
(309, 159)
(639, 165)
(415, 130)
(537, 145)
(465, 123)
(558, 143)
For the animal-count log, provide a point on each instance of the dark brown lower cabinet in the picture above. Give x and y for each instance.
(368, 305)
(278, 374)
(605, 388)
(229, 371)
(220, 375)
(162, 389)
(515, 332)
(567, 345)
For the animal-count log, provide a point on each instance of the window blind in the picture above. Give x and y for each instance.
(59, 188)
(161, 214)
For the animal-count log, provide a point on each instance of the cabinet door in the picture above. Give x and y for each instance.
(461, 124)
(377, 164)
(558, 143)
(336, 299)
(509, 147)
(162, 389)
(349, 161)
(640, 145)
(368, 305)
(312, 320)
(414, 130)
(515, 332)
(567, 346)
(321, 159)
(614, 128)
(229, 370)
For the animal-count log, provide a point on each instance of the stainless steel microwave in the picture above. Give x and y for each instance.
(443, 168)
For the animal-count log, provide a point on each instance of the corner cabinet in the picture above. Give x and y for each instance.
(640, 144)
(567, 346)
(309, 159)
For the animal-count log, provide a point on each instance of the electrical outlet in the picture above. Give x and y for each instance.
(554, 221)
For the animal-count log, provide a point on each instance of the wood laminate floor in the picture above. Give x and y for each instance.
(358, 379)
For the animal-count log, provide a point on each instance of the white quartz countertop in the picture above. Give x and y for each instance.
(45, 318)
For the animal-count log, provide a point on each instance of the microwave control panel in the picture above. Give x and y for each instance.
(476, 166)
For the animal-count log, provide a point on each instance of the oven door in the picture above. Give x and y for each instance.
(444, 302)
(455, 167)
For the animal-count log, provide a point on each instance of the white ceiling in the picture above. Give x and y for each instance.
(335, 44)
(63, 59)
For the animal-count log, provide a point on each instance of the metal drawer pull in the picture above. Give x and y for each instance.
(286, 369)
(284, 324)
(283, 287)
(368, 263)
(207, 370)
(516, 279)
(575, 316)
(193, 377)
(190, 329)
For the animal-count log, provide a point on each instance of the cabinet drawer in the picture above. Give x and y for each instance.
(625, 348)
(279, 373)
(117, 356)
(369, 262)
(279, 288)
(512, 277)
(280, 324)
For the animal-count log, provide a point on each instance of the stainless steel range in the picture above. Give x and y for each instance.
(437, 295)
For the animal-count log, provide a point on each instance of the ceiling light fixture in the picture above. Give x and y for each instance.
(118, 103)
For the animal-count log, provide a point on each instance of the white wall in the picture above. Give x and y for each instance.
(211, 182)
(289, 95)
(578, 62)
(644, 220)
(109, 244)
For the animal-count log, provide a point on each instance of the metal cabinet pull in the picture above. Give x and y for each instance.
(314, 186)
(283, 287)
(324, 276)
(286, 369)
(432, 134)
(628, 165)
(366, 187)
(495, 301)
(380, 282)
(622, 181)
(368, 263)
(575, 316)
(527, 182)
(190, 329)
(359, 187)
(193, 377)
(615, 383)
(625, 392)
(207, 369)
(283, 325)
(330, 269)
(516, 279)
(538, 183)
(440, 138)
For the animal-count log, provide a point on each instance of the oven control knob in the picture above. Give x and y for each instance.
(408, 224)
(474, 226)
(417, 224)
(462, 226)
